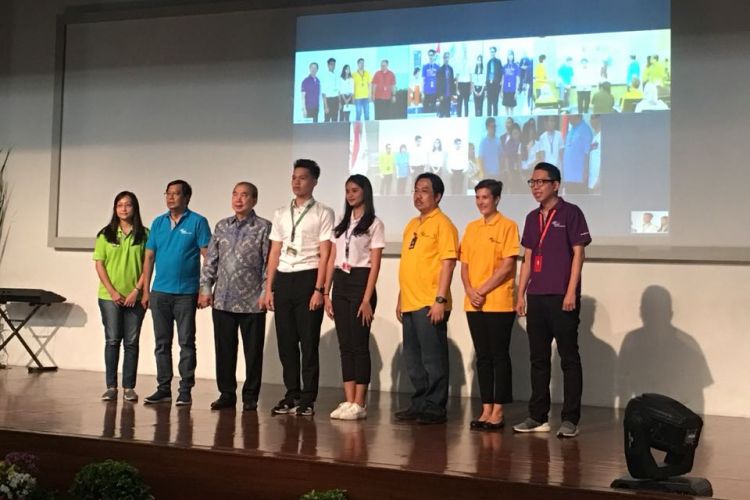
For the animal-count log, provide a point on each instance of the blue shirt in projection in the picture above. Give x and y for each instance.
(511, 72)
(402, 164)
(429, 74)
(489, 153)
(177, 252)
(577, 148)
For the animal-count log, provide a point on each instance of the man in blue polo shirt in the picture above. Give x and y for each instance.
(490, 150)
(575, 165)
(178, 239)
(549, 295)
(429, 85)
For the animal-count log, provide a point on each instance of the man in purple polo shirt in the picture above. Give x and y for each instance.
(554, 238)
(311, 94)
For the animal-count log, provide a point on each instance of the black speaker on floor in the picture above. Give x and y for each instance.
(653, 421)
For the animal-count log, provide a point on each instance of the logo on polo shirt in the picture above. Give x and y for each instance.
(185, 231)
(557, 224)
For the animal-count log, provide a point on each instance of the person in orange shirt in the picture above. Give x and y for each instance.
(488, 269)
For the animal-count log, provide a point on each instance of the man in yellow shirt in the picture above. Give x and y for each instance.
(386, 166)
(362, 81)
(429, 251)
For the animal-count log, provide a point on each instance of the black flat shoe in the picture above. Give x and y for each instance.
(476, 424)
(489, 426)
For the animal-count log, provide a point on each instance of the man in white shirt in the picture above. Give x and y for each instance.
(550, 143)
(417, 157)
(300, 242)
(648, 225)
(329, 89)
(457, 161)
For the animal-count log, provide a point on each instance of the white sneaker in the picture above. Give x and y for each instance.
(335, 414)
(354, 412)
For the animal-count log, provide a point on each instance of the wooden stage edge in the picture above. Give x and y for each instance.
(193, 452)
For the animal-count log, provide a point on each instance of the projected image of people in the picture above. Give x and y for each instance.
(649, 222)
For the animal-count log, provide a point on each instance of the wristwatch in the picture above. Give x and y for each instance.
(440, 299)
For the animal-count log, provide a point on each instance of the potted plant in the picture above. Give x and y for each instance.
(109, 480)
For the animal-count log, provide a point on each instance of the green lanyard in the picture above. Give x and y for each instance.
(302, 216)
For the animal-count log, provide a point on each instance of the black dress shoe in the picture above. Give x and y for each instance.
(431, 418)
(489, 426)
(250, 406)
(222, 403)
(408, 414)
(476, 424)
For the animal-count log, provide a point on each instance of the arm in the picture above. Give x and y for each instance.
(499, 276)
(437, 311)
(475, 299)
(316, 301)
(569, 302)
(209, 272)
(330, 265)
(523, 282)
(365, 308)
(101, 271)
(398, 308)
(148, 270)
(273, 264)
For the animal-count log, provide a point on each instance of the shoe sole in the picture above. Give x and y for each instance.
(183, 403)
(567, 435)
(131, 400)
(540, 428)
(156, 401)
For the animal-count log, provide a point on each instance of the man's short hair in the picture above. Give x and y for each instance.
(488, 121)
(417, 137)
(552, 171)
(360, 60)
(542, 58)
(605, 86)
(187, 191)
(495, 187)
(384, 61)
(250, 187)
(331, 60)
(314, 64)
(310, 165)
(431, 52)
(438, 188)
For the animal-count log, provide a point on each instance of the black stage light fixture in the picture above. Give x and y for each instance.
(659, 422)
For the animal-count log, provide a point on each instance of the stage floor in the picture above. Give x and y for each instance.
(67, 403)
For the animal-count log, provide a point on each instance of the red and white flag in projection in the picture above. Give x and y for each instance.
(358, 148)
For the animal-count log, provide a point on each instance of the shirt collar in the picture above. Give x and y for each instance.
(184, 214)
(557, 206)
(494, 220)
(250, 219)
(309, 203)
(429, 215)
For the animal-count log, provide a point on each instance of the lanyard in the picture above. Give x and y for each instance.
(302, 216)
(348, 239)
(543, 228)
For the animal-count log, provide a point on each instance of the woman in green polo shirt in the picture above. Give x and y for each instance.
(118, 256)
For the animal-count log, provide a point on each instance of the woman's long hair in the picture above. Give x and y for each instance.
(367, 218)
(110, 230)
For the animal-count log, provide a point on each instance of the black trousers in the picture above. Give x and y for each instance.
(478, 100)
(332, 115)
(584, 100)
(444, 106)
(252, 327)
(545, 320)
(493, 94)
(464, 92)
(428, 105)
(297, 331)
(354, 337)
(490, 332)
(313, 113)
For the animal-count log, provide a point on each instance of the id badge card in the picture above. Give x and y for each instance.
(346, 267)
(538, 263)
(291, 250)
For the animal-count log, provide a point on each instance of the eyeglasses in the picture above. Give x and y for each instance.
(538, 182)
(413, 242)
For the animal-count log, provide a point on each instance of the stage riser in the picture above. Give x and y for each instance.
(179, 473)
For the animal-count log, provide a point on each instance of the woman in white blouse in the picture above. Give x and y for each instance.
(353, 267)
(346, 92)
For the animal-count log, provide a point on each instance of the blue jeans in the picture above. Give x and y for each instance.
(426, 357)
(166, 310)
(362, 105)
(121, 325)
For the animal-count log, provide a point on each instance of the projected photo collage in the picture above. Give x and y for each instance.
(392, 153)
(620, 72)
